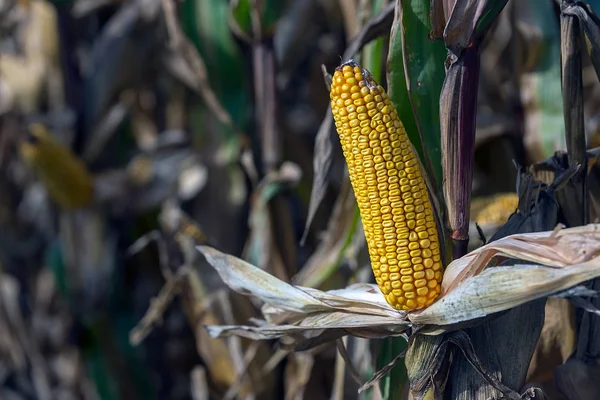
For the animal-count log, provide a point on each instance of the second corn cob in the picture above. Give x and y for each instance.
(65, 176)
(394, 204)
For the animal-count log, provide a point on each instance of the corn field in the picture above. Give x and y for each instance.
(308, 199)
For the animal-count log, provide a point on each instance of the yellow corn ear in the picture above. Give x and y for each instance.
(395, 207)
(64, 175)
(494, 209)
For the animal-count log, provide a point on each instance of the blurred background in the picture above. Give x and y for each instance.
(130, 130)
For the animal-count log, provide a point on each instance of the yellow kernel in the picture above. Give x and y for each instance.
(391, 298)
(422, 291)
(387, 286)
(406, 271)
(428, 262)
(408, 287)
(406, 278)
(413, 246)
(425, 243)
(432, 284)
(420, 283)
(415, 253)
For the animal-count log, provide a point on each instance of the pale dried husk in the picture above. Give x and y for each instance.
(473, 287)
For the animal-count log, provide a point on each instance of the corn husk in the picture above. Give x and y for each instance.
(473, 287)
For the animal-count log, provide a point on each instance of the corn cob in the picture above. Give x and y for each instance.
(494, 209)
(64, 175)
(394, 204)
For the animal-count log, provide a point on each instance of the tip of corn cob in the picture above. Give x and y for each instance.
(395, 207)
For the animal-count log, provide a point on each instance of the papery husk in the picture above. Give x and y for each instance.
(550, 262)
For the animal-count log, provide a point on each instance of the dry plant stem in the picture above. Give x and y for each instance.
(264, 68)
(572, 88)
(263, 59)
(350, 13)
(588, 344)
(458, 106)
(158, 307)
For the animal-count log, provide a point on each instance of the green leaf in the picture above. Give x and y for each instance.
(418, 101)
(218, 48)
(373, 52)
(542, 83)
(392, 385)
(270, 12)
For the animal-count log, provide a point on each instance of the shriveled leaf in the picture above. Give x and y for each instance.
(560, 249)
(572, 89)
(591, 26)
(470, 20)
(501, 288)
(247, 279)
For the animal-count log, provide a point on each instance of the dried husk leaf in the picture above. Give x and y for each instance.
(472, 289)
(501, 288)
(559, 249)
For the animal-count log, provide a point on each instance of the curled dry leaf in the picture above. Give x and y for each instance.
(473, 287)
